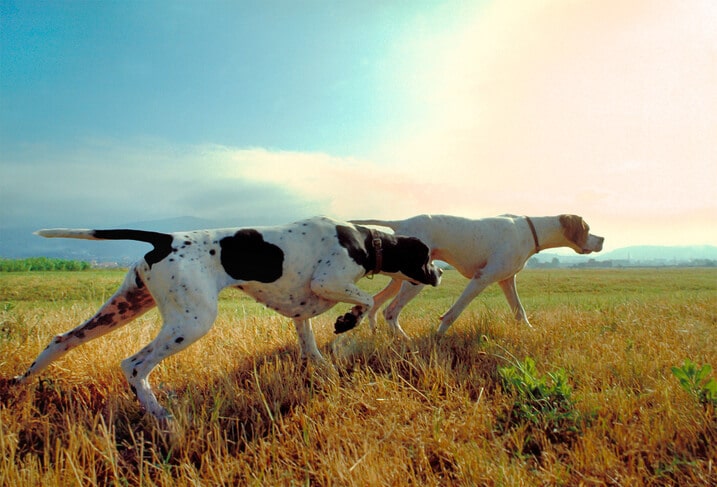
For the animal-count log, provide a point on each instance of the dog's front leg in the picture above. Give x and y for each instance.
(379, 299)
(307, 341)
(350, 320)
(341, 291)
(407, 293)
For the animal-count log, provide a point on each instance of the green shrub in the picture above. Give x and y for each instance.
(697, 381)
(543, 403)
(42, 264)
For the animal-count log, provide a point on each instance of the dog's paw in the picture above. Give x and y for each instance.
(345, 323)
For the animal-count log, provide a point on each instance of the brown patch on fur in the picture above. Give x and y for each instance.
(130, 304)
(575, 229)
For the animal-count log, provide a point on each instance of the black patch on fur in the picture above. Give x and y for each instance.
(410, 256)
(162, 242)
(349, 320)
(246, 256)
(356, 242)
(400, 254)
(345, 323)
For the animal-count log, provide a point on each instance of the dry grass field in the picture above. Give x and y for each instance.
(600, 406)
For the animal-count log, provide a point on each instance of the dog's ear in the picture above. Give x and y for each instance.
(417, 248)
(574, 228)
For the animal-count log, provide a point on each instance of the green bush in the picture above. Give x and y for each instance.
(542, 403)
(696, 381)
(42, 264)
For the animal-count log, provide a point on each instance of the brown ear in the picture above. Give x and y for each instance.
(574, 228)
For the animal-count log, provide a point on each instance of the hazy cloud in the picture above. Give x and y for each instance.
(108, 183)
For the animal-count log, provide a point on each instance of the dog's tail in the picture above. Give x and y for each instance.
(162, 242)
(66, 233)
(154, 238)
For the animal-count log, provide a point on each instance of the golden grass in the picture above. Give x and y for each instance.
(428, 412)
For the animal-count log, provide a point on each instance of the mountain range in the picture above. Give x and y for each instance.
(18, 243)
(636, 255)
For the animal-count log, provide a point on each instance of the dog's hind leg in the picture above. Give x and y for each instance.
(130, 301)
(511, 294)
(184, 322)
(474, 288)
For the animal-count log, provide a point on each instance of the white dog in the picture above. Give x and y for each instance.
(485, 251)
(300, 270)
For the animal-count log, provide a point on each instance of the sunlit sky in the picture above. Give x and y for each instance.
(266, 112)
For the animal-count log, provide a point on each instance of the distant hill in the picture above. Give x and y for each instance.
(16, 243)
(654, 252)
(636, 255)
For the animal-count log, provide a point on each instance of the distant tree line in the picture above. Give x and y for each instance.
(555, 263)
(42, 264)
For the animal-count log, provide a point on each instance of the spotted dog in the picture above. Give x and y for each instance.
(299, 270)
(485, 251)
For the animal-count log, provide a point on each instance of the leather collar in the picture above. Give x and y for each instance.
(535, 234)
(377, 250)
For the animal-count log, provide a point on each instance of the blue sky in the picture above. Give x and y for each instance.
(263, 112)
(291, 75)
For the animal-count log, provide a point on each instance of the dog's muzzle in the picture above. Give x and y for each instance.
(435, 276)
(593, 244)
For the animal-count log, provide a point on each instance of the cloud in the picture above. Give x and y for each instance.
(109, 182)
(104, 182)
(542, 106)
(346, 187)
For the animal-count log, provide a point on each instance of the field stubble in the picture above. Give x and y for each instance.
(427, 412)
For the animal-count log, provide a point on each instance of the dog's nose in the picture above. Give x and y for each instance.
(600, 242)
(437, 277)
